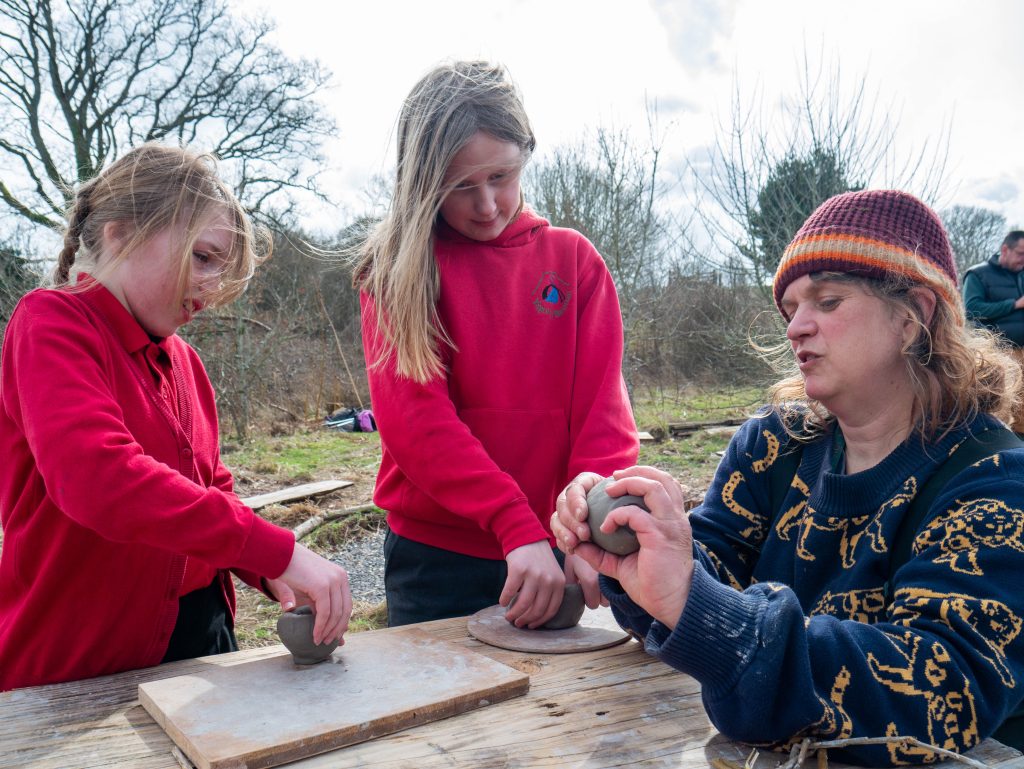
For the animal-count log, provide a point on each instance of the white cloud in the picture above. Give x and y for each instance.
(696, 29)
(999, 190)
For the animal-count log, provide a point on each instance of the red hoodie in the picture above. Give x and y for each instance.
(473, 461)
(107, 498)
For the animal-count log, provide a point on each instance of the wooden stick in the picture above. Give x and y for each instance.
(796, 760)
(337, 342)
(310, 525)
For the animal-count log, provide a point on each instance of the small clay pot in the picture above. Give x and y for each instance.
(569, 611)
(296, 630)
(623, 540)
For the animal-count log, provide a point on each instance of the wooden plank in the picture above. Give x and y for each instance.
(682, 429)
(294, 493)
(271, 711)
(645, 437)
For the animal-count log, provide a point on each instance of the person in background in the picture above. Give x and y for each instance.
(787, 594)
(994, 297)
(120, 525)
(493, 343)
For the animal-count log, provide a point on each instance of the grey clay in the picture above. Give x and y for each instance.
(296, 630)
(623, 540)
(569, 611)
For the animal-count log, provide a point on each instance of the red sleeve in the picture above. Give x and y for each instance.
(57, 388)
(602, 432)
(438, 453)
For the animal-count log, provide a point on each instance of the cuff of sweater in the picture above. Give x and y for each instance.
(267, 550)
(715, 636)
(515, 525)
(631, 618)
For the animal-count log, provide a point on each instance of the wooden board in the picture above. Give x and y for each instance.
(270, 711)
(597, 630)
(293, 493)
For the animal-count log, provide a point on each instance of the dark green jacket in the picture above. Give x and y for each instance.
(989, 293)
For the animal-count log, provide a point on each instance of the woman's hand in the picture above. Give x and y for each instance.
(569, 521)
(313, 580)
(535, 576)
(658, 576)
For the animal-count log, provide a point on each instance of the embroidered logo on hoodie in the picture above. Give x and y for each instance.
(552, 295)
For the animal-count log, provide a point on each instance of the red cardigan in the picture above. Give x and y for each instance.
(105, 495)
(472, 462)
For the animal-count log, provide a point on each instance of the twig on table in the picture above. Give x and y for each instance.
(799, 752)
(310, 525)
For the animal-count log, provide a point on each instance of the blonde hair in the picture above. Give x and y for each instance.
(956, 371)
(149, 189)
(396, 263)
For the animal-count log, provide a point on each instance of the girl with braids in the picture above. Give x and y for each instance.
(494, 344)
(120, 525)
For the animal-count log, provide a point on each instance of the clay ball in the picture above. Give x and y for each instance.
(296, 630)
(569, 611)
(623, 540)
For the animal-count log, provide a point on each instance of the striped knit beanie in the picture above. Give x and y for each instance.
(874, 233)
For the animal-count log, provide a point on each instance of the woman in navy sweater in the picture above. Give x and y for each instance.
(797, 616)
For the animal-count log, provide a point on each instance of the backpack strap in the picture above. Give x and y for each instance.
(976, 447)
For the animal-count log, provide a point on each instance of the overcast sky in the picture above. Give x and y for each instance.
(582, 63)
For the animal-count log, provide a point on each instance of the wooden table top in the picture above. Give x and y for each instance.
(608, 708)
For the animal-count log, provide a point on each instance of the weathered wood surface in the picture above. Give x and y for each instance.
(294, 493)
(609, 708)
(267, 712)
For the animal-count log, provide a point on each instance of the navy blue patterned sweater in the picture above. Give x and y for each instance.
(788, 630)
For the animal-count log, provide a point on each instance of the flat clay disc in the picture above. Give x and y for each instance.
(597, 630)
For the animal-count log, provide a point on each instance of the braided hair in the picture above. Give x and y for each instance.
(151, 188)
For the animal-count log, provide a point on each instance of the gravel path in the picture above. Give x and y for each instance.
(363, 558)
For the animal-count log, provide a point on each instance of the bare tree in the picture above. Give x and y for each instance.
(608, 188)
(767, 171)
(81, 80)
(16, 277)
(974, 233)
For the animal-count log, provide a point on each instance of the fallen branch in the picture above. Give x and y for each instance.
(310, 525)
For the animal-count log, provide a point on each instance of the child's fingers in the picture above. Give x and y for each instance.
(322, 609)
(284, 594)
(513, 584)
(574, 496)
(342, 600)
(564, 536)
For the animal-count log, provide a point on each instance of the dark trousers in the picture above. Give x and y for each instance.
(423, 583)
(204, 625)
